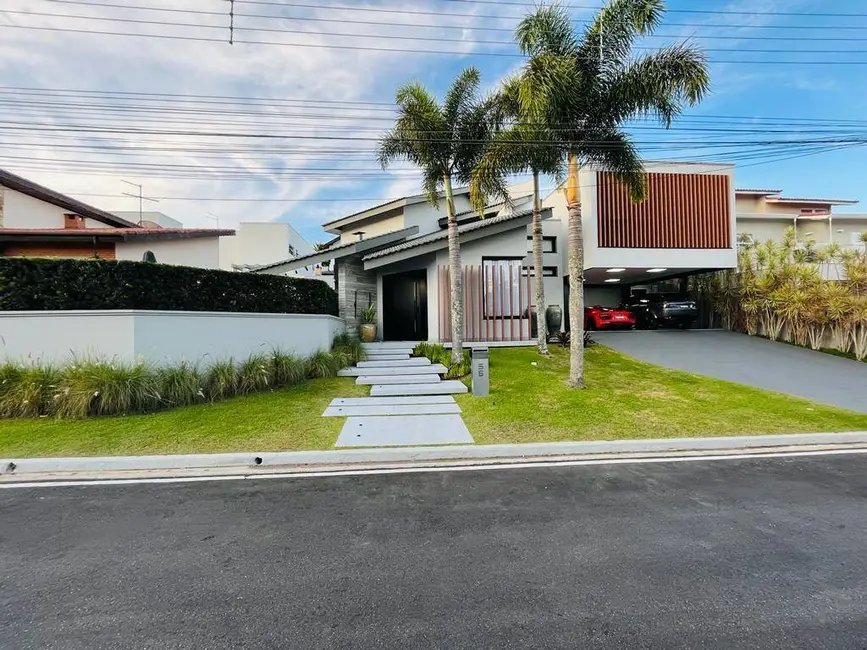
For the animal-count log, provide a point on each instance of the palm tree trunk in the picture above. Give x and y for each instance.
(576, 276)
(541, 323)
(455, 274)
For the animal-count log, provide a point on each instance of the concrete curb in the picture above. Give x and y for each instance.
(11, 467)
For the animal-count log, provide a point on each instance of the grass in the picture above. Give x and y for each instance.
(282, 420)
(629, 399)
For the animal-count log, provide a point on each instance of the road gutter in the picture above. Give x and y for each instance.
(403, 458)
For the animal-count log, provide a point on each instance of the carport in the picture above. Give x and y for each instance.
(751, 361)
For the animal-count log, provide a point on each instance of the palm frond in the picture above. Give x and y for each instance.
(461, 96)
(660, 84)
(608, 41)
(548, 30)
(615, 152)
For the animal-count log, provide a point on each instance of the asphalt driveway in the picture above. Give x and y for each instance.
(764, 553)
(749, 360)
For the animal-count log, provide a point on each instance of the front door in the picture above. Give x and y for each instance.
(404, 306)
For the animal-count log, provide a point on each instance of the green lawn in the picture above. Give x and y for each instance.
(626, 398)
(279, 421)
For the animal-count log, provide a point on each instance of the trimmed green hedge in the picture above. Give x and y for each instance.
(61, 284)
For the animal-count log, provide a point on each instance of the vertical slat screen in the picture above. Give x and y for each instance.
(680, 211)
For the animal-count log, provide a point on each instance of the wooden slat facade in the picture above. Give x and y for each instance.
(479, 304)
(681, 211)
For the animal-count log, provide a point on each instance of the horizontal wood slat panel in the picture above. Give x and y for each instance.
(68, 249)
(680, 211)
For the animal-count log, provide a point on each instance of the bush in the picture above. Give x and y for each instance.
(352, 350)
(439, 354)
(93, 388)
(32, 284)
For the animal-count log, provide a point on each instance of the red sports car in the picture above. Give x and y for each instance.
(603, 318)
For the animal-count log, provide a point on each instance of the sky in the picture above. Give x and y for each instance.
(97, 92)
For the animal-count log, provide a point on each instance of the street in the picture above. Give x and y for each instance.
(759, 553)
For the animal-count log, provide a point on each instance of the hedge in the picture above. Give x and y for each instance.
(31, 284)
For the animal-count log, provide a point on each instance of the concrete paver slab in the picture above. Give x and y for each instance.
(371, 380)
(452, 387)
(393, 370)
(387, 357)
(391, 409)
(395, 363)
(401, 431)
(383, 401)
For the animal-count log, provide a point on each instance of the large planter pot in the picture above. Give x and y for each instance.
(367, 332)
(554, 318)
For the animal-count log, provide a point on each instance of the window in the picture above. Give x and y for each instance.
(547, 272)
(549, 244)
(502, 296)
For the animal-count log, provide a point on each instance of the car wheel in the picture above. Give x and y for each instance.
(653, 323)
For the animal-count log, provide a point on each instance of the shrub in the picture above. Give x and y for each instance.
(180, 385)
(459, 369)
(107, 388)
(288, 369)
(222, 380)
(54, 284)
(28, 391)
(255, 374)
(352, 349)
(323, 364)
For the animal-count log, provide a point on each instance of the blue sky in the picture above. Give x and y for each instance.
(304, 91)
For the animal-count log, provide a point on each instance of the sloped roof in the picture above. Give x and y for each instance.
(116, 234)
(19, 184)
(444, 234)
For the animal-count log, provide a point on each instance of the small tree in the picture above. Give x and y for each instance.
(584, 89)
(516, 149)
(445, 141)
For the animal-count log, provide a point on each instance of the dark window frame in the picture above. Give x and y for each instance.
(547, 272)
(498, 258)
(545, 238)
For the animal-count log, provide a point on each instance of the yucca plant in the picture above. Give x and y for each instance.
(222, 380)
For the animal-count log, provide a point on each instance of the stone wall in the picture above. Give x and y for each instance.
(356, 288)
(2, 200)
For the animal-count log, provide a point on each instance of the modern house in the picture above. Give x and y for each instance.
(36, 221)
(766, 214)
(395, 255)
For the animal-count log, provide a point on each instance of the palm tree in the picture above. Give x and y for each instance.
(445, 140)
(863, 239)
(585, 88)
(515, 150)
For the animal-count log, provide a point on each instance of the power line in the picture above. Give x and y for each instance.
(331, 46)
(398, 37)
(514, 3)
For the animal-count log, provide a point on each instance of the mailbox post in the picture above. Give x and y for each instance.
(481, 381)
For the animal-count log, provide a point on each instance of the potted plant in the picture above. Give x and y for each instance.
(367, 331)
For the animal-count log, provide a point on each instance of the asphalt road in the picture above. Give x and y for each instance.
(731, 554)
(750, 360)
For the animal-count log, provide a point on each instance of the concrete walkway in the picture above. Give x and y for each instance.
(409, 404)
(751, 361)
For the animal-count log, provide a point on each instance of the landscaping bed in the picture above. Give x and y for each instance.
(626, 398)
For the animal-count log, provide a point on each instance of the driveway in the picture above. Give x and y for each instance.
(759, 553)
(749, 360)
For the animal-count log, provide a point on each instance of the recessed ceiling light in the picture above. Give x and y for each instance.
(656, 270)
(613, 280)
(616, 270)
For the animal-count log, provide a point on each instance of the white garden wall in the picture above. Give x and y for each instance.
(159, 336)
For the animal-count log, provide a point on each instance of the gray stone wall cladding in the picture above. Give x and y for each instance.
(356, 288)
(2, 199)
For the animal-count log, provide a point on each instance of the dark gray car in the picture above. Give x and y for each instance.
(665, 310)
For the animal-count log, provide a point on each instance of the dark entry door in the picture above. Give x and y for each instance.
(404, 306)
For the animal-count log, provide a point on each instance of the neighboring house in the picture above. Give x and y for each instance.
(765, 215)
(36, 221)
(396, 254)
